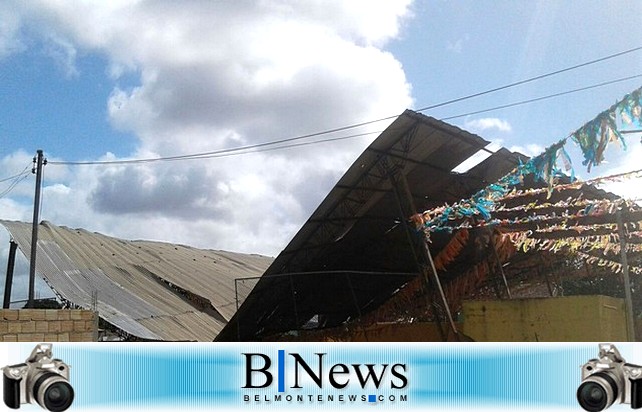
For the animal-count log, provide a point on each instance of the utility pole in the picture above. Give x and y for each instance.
(39, 161)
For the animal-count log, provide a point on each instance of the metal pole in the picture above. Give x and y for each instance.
(625, 274)
(11, 263)
(422, 268)
(354, 295)
(34, 232)
(499, 263)
(428, 257)
(236, 293)
(442, 295)
(296, 311)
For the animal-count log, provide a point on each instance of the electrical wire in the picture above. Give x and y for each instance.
(266, 146)
(550, 96)
(24, 171)
(17, 179)
(356, 125)
(13, 185)
(260, 147)
(531, 79)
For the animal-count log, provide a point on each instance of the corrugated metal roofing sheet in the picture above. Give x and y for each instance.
(358, 228)
(152, 290)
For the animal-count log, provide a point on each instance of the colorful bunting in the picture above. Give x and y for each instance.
(593, 139)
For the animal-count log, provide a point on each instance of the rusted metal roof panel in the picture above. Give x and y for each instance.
(151, 290)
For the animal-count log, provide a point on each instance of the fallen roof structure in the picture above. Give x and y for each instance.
(356, 249)
(366, 242)
(148, 290)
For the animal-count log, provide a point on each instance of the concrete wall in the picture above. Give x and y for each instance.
(562, 319)
(48, 325)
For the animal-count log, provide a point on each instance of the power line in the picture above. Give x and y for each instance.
(537, 99)
(17, 179)
(24, 171)
(227, 152)
(260, 147)
(12, 186)
(267, 146)
(531, 79)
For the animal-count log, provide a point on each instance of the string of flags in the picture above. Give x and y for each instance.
(607, 245)
(569, 211)
(593, 139)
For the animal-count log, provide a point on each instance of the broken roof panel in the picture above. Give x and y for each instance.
(353, 253)
(151, 290)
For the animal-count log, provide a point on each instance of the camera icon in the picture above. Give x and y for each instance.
(608, 380)
(41, 379)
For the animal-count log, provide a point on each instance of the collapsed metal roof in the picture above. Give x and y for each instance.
(354, 252)
(151, 290)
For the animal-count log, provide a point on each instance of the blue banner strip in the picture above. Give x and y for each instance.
(281, 371)
(437, 376)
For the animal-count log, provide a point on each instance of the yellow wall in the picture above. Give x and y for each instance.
(409, 332)
(561, 319)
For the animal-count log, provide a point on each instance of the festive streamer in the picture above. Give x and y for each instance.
(465, 211)
(592, 138)
(587, 206)
(554, 222)
(614, 266)
(524, 243)
(605, 244)
(450, 252)
(616, 178)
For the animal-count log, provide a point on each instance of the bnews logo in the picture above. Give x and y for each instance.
(295, 372)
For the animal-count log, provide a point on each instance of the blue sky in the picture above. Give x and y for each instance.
(453, 49)
(130, 79)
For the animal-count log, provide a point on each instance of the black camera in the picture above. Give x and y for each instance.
(41, 379)
(608, 380)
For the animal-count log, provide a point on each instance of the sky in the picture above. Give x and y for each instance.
(108, 81)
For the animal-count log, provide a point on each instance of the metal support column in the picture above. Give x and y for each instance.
(425, 250)
(545, 275)
(11, 263)
(294, 306)
(421, 268)
(491, 243)
(625, 274)
(354, 295)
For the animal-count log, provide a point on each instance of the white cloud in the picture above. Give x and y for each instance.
(457, 46)
(628, 161)
(216, 75)
(531, 150)
(63, 54)
(10, 41)
(488, 123)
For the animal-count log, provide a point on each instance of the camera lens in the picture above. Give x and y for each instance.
(58, 396)
(592, 396)
(597, 392)
(53, 392)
